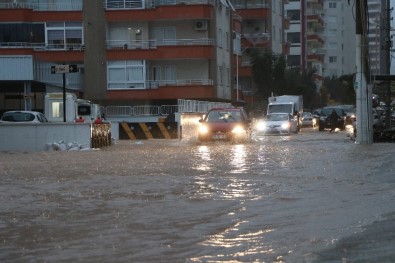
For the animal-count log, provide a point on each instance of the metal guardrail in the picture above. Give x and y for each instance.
(184, 106)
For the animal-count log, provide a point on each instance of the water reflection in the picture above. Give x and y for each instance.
(238, 159)
(231, 162)
(204, 154)
(237, 243)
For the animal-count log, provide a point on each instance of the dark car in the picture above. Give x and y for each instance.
(325, 121)
(227, 124)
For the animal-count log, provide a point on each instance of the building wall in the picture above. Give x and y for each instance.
(340, 39)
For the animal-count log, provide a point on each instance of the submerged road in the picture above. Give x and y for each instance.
(309, 197)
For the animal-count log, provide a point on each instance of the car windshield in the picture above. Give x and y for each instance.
(18, 117)
(223, 116)
(276, 117)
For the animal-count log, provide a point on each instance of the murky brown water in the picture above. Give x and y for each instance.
(310, 197)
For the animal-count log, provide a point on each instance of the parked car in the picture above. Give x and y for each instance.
(350, 111)
(225, 124)
(325, 122)
(308, 119)
(23, 116)
(277, 123)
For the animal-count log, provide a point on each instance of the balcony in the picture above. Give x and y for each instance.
(176, 89)
(314, 37)
(139, 4)
(164, 49)
(315, 57)
(245, 4)
(254, 14)
(162, 12)
(256, 40)
(315, 17)
(66, 6)
(63, 52)
(315, 2)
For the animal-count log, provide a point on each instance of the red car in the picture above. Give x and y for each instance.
(227, 124)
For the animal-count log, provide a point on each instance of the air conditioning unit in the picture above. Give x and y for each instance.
(200, 25)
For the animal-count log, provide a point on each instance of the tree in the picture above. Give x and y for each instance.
(272, 77)
(340, 89)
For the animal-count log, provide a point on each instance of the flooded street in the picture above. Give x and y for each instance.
(309, 197)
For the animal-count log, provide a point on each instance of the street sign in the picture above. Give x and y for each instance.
(61, 69)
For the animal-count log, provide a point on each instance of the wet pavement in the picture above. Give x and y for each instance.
(309, 197)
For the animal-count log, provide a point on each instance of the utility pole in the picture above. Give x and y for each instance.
(362, 89)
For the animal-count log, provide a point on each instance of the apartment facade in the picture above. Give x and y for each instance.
(262, 27)
(321, 37)
(379, 39)
(129, 52)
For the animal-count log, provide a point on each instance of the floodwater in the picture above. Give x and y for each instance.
(309, 197)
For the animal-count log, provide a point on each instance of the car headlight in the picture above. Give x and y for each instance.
(238, 129)
(285, 125)
(260, 126)
(203, 129)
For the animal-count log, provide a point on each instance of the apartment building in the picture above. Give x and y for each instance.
(129, 52)
(262, 27)
(379, 39)
(321, 37)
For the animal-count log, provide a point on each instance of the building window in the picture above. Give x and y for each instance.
(124, 4)
(293, 61)
(293, 38)
(332, 59)
(164, 35)
(170, 74)
(64, 35)
(22, 33)
(293, 15)
(332, 4)
(129, 74)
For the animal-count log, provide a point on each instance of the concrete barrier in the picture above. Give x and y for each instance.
(36, 137)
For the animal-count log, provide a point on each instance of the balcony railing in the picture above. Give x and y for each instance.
(137, 44)
(42, 46)
(155, 84)
(140, 4)
(66, 6)
(153, 44)
(243, 4)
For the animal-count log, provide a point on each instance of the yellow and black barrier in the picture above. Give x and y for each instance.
(148, 130)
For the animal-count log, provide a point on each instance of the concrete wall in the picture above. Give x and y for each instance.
(35, 137)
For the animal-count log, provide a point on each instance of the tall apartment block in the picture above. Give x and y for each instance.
(321, 37)
(378, 36)
(262, 27)
(129, 52)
